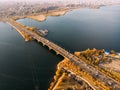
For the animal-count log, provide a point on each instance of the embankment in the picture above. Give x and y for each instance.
(42, 17)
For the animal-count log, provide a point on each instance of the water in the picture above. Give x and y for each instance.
(17, 58)
(83, 28)
(75, 31)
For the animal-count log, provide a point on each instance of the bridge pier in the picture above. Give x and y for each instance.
(57, 53)
(44, 44)
(38, 40)
(49, 48)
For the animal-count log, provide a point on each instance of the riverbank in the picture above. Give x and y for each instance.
(38, 17)
(74, 78)
(109, 64)
(43, 15)
(13, 24)
(71, 76)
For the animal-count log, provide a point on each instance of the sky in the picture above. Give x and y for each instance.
(32, 0)
(41, 1)
(50, 1)
(68, 1)
(57, 0)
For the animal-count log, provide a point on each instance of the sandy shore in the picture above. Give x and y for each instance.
(38, 17)
(57, 13)
(42, 17)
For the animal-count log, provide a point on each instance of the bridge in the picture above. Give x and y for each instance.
(77, 61)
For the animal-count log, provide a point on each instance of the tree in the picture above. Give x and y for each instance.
(112, 52)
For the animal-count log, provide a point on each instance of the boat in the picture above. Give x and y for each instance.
(42, 32)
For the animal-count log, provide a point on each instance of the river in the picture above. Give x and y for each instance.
(23, 65)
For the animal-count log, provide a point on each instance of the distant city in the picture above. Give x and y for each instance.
(25, 7)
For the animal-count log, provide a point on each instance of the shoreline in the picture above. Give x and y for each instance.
(76, 76)
(41, 16)
(110, 67)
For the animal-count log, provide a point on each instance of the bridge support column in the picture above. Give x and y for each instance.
(49, 48)
(43, 44)
(38, 41)
(57, 53)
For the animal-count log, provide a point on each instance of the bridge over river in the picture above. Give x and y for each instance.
(59, 50)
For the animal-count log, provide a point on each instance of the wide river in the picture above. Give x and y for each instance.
(25, 65)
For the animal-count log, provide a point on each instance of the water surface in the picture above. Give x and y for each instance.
(83, 28)
(23, 65)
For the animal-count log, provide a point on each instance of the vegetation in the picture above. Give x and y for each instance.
(59, 73)
(67, 82)
(95, 57)
(25, 35)
(92, 56)
(52, 8)
(81, 73)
